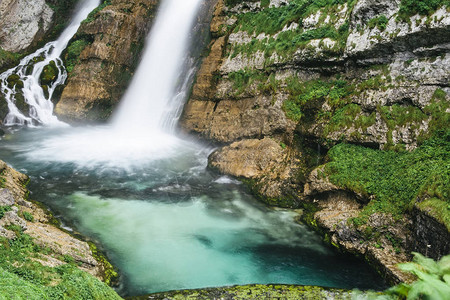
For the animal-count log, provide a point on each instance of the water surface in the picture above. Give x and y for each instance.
(167, 222)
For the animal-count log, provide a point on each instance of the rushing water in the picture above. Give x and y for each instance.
(170, 224)
(146, 196)
(29, 71)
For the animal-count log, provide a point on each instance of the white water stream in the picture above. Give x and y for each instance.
(41, 107)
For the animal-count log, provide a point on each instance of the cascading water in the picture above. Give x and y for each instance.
(39, 102)
(148, 199)
(148, 98)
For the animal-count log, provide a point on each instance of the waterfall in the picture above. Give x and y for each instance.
(152, 95)
(142, 130)
(28, 73)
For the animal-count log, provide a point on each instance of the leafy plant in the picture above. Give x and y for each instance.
(433, 281)
(394, 179)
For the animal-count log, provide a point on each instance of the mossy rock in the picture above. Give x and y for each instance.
(49, 74)
(255, 291)
(14, 80)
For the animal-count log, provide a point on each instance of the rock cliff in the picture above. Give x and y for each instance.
(102, 57)
(287, 81)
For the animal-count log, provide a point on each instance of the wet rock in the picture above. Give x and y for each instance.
(99, 71)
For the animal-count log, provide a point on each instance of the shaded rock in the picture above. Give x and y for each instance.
(430, 236)
(369, 241)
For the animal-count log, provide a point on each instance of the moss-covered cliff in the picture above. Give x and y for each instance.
(291, 84)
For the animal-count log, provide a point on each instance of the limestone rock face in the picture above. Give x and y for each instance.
(244, 83)
(22, 22)
(102, 58)
(358, 72)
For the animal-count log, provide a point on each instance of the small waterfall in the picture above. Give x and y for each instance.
(28, 74)
(152, 102)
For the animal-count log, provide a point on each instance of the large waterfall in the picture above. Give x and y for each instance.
(39, 102)
(149, 98)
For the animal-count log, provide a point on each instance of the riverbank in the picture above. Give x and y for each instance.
(39, 259)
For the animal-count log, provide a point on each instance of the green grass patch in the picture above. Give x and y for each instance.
(25, 278)
(8, 59)
(395, 179)
(273, 20)
(307, 96)
(3, 210)
(409, 8)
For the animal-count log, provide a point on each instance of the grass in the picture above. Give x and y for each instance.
(25, 278)
(272, 20)
(410, 8)
(395, 179)
(8, 59)
(307, 96)
(380, 22)
(3, 210)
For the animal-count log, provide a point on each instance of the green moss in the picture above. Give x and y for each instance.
(49, 73)
(109, 273)
(380, 22)
(410, 8)
(94, 14)
(438, 209)
(8, 59)
(73, 53)
(394, 179)
(254, 291)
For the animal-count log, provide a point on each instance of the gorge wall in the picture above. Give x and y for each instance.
(289, 86)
